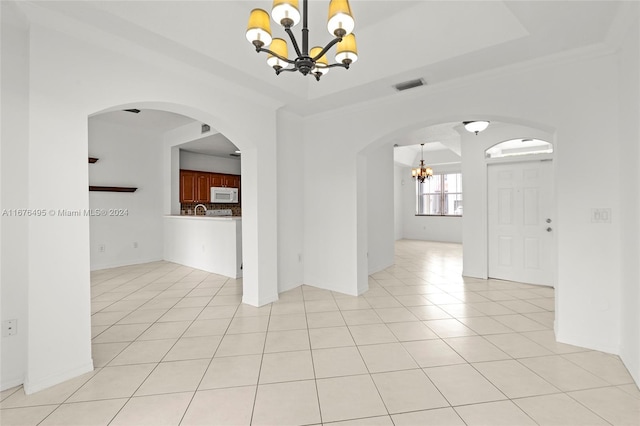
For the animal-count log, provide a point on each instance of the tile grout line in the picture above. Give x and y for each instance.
(264, 346)
(210, 362)
(81, 386)
(152, 370)
(313, 364)
(366, 366)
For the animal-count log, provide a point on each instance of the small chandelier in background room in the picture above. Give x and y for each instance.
(421, 173)
(475, 126)
(308, 61)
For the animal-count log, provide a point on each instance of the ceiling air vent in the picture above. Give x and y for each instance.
(409, 84)
(205, 128)
(133, 110)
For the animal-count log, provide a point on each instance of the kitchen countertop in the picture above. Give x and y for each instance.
(177, 216)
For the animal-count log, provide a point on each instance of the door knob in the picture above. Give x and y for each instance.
(549, 229)
(548, 220)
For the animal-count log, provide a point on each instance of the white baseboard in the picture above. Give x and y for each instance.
(32, 386)
(288, 287)
(100, 266)
(263, 301)
(632, 364)
(377, 268)
(585, 342)
(4, 385)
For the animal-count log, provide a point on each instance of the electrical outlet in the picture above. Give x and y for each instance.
(102, 248)
(600, 215)
(9, 327)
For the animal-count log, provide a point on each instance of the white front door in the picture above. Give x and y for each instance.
(521, 242)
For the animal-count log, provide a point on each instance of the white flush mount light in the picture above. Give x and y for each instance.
(475, 126)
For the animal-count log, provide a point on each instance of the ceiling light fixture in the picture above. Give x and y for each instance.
(308, 61)
(475, 126)
(421, 173)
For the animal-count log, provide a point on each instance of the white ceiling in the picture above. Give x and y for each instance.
(148, 119)
(216, 144)
(159, 122)
(398, 40)
(437, 40)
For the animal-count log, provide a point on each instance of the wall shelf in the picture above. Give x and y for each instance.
(109, 188)
(112, 188)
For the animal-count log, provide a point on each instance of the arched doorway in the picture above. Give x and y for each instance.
(166, 161)
(474, 171)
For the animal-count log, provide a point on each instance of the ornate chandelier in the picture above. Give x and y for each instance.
(421, 173)
(309, 62)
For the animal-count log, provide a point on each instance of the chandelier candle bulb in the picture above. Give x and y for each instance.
(346, 51)
(259, 28)
(321, 62)
(340, 21)
(279, 47)
(286, 12)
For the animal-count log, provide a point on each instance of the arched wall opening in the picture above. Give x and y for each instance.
(169, 165)
(64, 89)
(554, 97)
(375, 166)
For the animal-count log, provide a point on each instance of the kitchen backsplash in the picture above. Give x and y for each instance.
(188, 208)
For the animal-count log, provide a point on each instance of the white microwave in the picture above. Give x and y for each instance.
(224, 195)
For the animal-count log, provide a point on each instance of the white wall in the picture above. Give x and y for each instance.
(330, 223)
(427, 228)
(59, 341)
(399, 182)
(71, 79)
(629, 89)
(380, 208)
(209, 163)
(292, 173)
(128, 156)
(210, 244)
(14, 175)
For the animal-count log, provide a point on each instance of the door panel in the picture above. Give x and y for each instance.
(505, 206)
(519, 203)
(506, 249)
(531, 253)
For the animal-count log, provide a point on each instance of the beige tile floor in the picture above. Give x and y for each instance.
(174, 346)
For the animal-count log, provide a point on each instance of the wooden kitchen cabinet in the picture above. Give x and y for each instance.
(216, 179)
(224, 180)
(195, 186)
(203, 187)
(232, 181)
(187, 186)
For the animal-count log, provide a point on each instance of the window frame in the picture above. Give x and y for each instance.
(442, 194)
